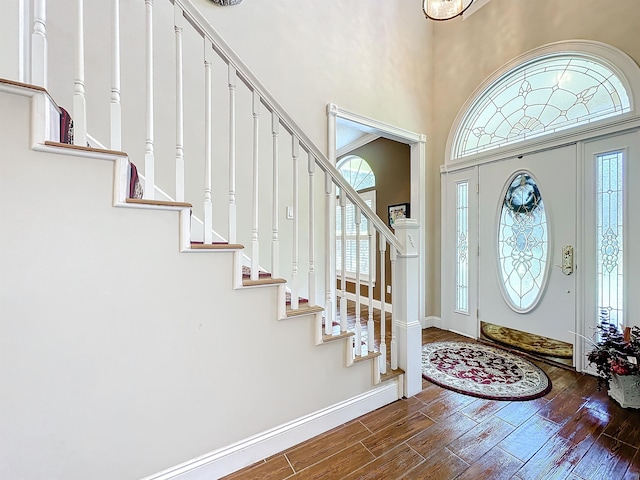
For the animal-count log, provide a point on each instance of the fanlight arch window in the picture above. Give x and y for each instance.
(539, 97)
(359, 175)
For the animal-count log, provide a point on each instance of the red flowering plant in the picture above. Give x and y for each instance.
(615, 352)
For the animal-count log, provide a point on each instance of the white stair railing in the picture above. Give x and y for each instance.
(239, 87)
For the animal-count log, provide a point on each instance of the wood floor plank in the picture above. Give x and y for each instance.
(277, 468)
(392, 465)
(607, 458)
(430, 440)
(388, 438)
(389, 414)
(586, 423)
(323, 446)
(560, 409)
(445, 466)
(528, 438)
(339, 465)
(480, 439)
(445, 406)
(555, 460)
(431, 391)
(496, 464)
(481, 409)
(624, 425)
(516, 413)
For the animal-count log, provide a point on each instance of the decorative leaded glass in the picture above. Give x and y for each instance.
(540, 97)
(462, 247)
(609, 198)
(522, 243)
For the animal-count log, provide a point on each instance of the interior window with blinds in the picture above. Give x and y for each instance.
(351, 240)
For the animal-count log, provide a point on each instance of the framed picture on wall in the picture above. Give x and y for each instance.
(397, 211)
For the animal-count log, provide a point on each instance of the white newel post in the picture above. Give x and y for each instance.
(406, 305)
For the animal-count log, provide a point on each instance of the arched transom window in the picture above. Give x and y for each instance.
(539, 97)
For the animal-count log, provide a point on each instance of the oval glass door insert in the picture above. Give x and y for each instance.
(522, 243)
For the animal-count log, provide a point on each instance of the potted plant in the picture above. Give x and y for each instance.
(616, 355)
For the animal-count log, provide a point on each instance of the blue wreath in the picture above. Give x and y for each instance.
(523, 195)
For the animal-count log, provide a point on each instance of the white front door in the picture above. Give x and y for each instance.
(521, 282)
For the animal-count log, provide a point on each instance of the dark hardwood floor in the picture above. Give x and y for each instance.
(574, 432)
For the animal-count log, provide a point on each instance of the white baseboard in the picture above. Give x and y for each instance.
(431, 321)
(229, 459)
(365, 301)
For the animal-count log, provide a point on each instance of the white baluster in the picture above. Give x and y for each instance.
(330, 283)
(370, 326)
(358, 338)
(208, 150)
(149, 155)
(255, 245)
(358, 221)
(116, 108)
(343, 261)
(394, 341)
(383, 306)
(79, 101)
(275, 242)
(178, 27)
(232, 79)
(39, 47)
(312, 235)
(295, 152)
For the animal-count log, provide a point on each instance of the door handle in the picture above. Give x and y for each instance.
(567, 259)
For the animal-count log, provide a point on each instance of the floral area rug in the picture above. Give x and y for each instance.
(483, 371)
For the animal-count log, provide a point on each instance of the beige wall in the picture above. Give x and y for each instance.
(466, 52)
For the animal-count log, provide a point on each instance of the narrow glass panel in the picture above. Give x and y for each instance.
(609, 198)
(462, 247)
(522, 243)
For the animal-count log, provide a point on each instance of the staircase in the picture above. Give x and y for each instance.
(180, 343)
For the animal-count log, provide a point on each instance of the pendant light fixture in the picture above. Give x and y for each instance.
(445, 9)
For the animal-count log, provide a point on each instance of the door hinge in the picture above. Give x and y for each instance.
(478, 251)
(477, 188)
(477, 313)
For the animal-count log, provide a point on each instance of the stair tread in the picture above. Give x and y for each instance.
(70, 146)
(391, 373)
(166, 203)
(304, 310)
(216, 246)
(338, 336)
(368, 356)
(247, 282)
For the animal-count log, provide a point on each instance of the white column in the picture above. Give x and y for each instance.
(116, 108)
(79, 101)
(406, 305)
(39, 47)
